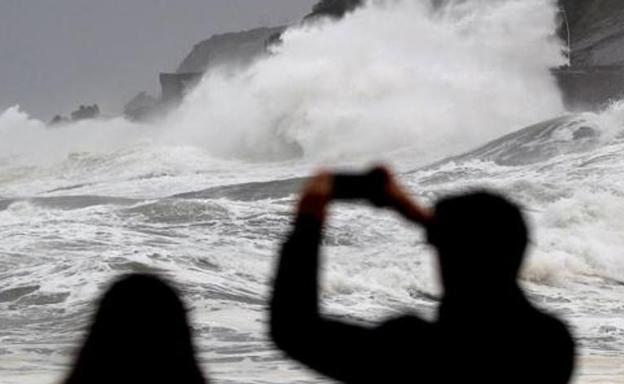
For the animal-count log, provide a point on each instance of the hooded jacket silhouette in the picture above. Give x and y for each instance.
(486, 330)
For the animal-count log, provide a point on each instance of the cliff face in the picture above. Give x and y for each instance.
(333, 8)
(230, 50)
(596, 31)
(596, 35)
(594, 28)
(233, 49)
(240, 49)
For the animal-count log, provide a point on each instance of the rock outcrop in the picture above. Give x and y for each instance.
(240, 49)
(228, 51)
(594, 30)
(142, 107)
(84, 112)
(333, 8)
(237, 49)
(175, 85)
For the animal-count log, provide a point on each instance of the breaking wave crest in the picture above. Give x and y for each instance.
(439, 79)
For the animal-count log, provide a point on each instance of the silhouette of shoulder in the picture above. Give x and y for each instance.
(462, 350)
(556, 347)
(486, 330)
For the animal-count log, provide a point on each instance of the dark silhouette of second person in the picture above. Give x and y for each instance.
(140, 335)
(486, 330)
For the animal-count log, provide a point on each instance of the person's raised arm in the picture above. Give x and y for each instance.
(296, 325)
(294, 305)
(346, 352)
(396, 197)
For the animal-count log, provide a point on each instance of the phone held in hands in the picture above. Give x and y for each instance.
(369, 186)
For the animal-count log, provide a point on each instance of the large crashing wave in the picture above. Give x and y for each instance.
(390, 75)
(99, 198)
(395, 73)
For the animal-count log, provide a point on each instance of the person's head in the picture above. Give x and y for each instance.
(481, 239)
(140, 334)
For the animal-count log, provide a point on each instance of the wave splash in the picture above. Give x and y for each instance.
(390, 75)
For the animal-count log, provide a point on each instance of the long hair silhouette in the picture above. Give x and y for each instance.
(140, 334)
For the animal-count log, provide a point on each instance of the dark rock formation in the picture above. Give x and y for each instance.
(240, 49)
(142, 107)
(227, 51)
(86, 112)
(590, 87)
(594, 30)
(237, 49)
(175, 85)
(58, 120)
(333, 8)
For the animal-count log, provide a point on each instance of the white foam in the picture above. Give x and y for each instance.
(390, 75)
(387, 77)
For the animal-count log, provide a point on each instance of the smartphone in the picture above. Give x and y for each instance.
(369, 186)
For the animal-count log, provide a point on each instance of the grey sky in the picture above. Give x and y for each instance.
(56, 54)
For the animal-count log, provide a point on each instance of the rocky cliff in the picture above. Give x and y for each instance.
(596, 31)
(593, 28)
(237, 49)
(233, 50)
(333, 8)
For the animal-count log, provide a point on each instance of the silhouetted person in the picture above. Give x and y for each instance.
(485, 332)
(140, 334)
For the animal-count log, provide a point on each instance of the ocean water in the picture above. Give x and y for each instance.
(453, 99)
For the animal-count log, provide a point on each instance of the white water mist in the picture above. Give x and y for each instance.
(393, 74)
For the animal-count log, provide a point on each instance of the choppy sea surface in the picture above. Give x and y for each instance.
(214, 228)
(206, 196)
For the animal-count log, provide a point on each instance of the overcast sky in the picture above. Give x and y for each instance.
(57, 54)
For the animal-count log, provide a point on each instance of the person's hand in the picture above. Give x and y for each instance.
(398, 198)
(316, 196)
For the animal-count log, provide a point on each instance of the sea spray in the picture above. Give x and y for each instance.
(85, 202)
(393, 74)
(30, 141)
